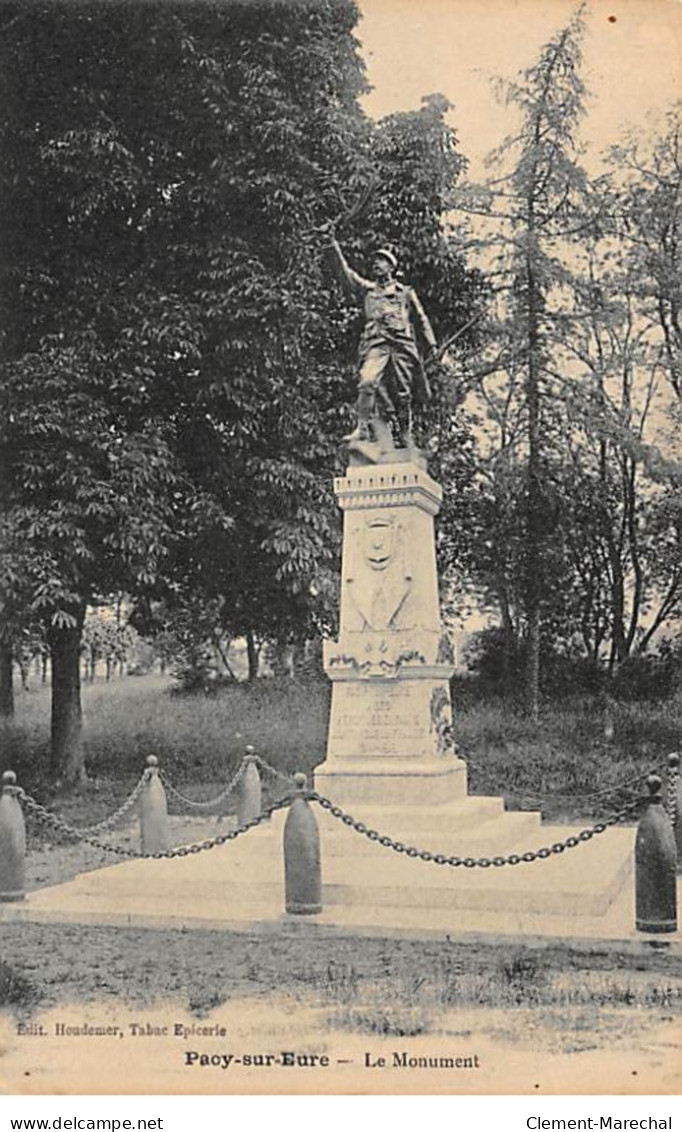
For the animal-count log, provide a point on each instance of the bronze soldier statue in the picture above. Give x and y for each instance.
(391, 374)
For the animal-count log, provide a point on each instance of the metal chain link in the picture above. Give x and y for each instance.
(222, 838)
(671, 798)
(45, 817)
(212, 802)
(288, 778)
(470, 862)
(113, 819)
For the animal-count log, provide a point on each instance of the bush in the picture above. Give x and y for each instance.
(494, 658)
(498, 663)
(653, 677)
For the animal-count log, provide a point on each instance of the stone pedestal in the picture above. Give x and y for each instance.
(390, 731)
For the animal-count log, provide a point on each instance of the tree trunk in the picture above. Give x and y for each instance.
(66, 755)
(508, 638)
(533, 580)
(6, 681)
(252, 654)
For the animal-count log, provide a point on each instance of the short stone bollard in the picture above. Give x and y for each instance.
(302, 868)
(250, 791)
(675, 803)
(655, 866)
(12, 841)
(154, 831)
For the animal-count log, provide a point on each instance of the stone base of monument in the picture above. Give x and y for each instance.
(583, 893)
(412, 783)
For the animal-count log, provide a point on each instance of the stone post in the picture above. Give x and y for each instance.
(655, 861)
(154, 831)
(12, 841)
(302, 865)
(250, 792)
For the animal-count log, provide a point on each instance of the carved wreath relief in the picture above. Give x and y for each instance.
(441, 719)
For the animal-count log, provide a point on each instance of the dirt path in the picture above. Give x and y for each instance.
(519, 1021)
(469, 1051)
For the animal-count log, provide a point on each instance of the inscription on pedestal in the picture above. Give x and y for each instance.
(376, 720)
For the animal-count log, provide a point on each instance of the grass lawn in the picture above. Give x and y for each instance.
(554, 765)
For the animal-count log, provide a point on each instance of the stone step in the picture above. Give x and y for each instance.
(193, 911)
(461, 813)
(414, 822)
(493, 832)
(581, 881)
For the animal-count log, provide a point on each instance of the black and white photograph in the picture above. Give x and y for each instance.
(341, 548)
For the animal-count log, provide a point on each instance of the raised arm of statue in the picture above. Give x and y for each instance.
(355, 282)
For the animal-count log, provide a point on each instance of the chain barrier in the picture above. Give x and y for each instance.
(628, 784)
(106, 823)
(45, 817)
(673, 777)
(471, 862)
(232, 784)
(113, 819)
(272, 770)
(211, 803)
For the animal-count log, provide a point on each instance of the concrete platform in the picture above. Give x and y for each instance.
(585, 893)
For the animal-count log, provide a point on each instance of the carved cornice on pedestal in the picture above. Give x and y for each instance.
(388, 485)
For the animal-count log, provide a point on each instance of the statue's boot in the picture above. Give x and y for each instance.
(365, 410)
(403, 412)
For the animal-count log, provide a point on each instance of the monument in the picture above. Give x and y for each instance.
(390, 731)
(390, 763)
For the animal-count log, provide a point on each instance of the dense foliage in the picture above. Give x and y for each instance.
(172, 386)
(579, 540)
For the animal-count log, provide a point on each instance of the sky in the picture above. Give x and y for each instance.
(632, 61)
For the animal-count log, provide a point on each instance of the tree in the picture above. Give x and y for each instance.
(266, 404)
(6, 679)
(536, 207)
(610, 478)
(647, 199)
(164, 320)
(616, 399)
(95, 342)
(172, 397)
